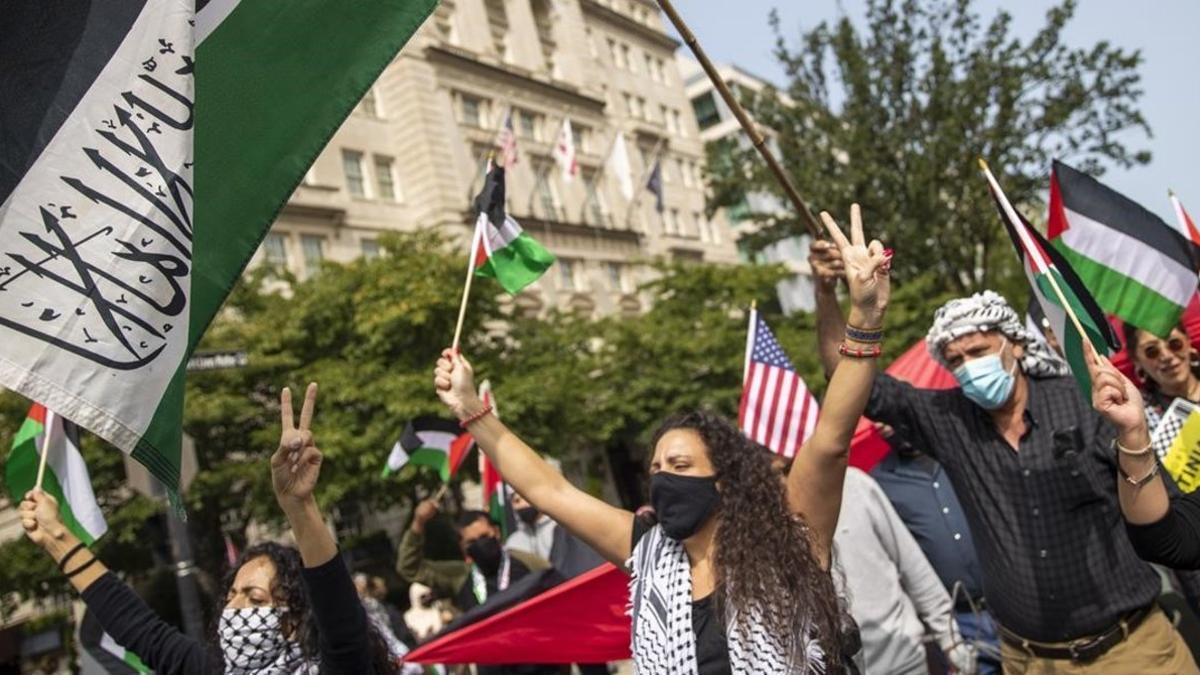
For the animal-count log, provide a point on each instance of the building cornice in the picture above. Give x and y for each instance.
(628, 23)
(466, 60)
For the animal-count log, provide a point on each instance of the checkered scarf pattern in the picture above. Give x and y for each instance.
(988, 311)
(252, 643)
(664, 642)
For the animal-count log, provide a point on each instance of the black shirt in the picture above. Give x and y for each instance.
(1174, 540)
(341, 625)
(1056, 562)
(712, 649)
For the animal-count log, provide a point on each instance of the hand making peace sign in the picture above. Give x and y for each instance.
(866, 265)
(296, 465)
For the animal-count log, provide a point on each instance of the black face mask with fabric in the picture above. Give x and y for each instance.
(528, 515)
(683, 503)
(487, 554)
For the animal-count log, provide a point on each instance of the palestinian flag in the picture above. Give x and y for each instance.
(66, 474)
(1137, 266)
(433, 442)
(1186, 226)
(500, 249)
(495, 491)
(115, 659)
(108, 276)
(1052, 281)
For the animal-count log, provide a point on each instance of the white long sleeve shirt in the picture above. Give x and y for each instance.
(893, 592)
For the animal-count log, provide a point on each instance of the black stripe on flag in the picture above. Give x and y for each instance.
(51, 52)
(411, 441)
(1089, 197)
(1090, 306)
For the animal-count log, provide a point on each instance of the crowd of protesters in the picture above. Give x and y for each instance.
(1011, 529)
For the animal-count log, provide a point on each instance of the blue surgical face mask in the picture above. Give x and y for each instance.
(985, 381)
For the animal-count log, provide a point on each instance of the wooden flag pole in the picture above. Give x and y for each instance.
(1011, 214)
(471, 260)
(743, 119)
(437, 497)
(41, 474)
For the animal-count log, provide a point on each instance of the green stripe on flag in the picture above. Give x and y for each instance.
(518, 264)
(20, 474)
(433, 458)
(1071, 342)
(1124, 296)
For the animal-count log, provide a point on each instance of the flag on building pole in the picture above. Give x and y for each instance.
(654, 183)
(507, 141)
(1136, 265)
(1070, 310)
(777, 409)
(66, 476)
(1185, 224)
(618, 165)
(564, 152)
(99, 305)
(500, 248)
(433, 442)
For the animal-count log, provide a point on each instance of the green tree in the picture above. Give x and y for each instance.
(895, 113)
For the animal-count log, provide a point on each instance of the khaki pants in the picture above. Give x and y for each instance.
(1154, 648)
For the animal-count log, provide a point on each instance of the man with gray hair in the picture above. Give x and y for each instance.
(1035, 470)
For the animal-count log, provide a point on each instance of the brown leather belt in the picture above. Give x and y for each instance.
(1084, 649)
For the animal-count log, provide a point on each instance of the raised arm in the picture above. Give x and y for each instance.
(606, 528)
(295, 468)
(815, 481)
(827, 269)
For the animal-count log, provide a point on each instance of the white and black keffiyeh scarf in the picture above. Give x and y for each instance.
(252, 643)
(988, 311)
(664, 642)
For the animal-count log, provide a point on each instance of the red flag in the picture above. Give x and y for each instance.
(579, 621)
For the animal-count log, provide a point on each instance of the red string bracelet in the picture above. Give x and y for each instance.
(873, 352)
(476, 417)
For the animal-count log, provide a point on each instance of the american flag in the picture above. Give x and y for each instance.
(777, 409)
(507, 142)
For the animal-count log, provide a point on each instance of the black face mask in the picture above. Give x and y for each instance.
(486, 553)
(682, 503)
(528, 515)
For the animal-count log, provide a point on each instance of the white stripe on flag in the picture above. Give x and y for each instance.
(796, 423)
(752, 407)
(770, 384)
(215, 12)
(64, 459)
(787, 427)
(783, 393)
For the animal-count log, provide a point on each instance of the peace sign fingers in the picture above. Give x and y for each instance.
(835, 232)
(285, 409)
(306, 411)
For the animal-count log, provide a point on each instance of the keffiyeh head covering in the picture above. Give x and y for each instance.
(988, 311)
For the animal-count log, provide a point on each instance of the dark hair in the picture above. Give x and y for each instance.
(1155, 396)
(287, 589)
(764, 555)
(468, 518)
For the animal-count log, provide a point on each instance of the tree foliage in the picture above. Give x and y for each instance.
(894, 115)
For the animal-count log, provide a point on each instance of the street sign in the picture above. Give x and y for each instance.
(216, 360)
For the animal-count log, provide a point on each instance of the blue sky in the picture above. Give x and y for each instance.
(736, 31)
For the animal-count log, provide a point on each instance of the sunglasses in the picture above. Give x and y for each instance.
(1154, 352)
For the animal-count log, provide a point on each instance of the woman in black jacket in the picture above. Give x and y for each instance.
(286, 610)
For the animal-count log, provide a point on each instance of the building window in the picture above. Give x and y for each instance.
(627, 59)
(596, 210)
(543, 19)
(369, 105)
(662, 71)
(591, 43)
(370, 248)
(568, 271)
(443, 20)
(470, 109)
(684, 174)
(313, 247)
(679, 128)
(667, 119)
(670, 222)
(614, 52)
(618, 281)
(643, 109)
(581, 136)
(275, 249)
(544, 190)
(705, 107)
(352, 166)
(527, 124)
(649, 60)
(385, 178)
(497, 17)
(701, 226)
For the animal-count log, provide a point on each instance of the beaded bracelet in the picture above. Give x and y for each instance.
(873, 352)
(864, 335)
(476, 417)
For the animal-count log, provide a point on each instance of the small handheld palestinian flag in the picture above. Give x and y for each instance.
(433, 442)
(1070, 310)
(500, 248)
(115, 659)
(66, 475)
(495, 490)
(1137, 266)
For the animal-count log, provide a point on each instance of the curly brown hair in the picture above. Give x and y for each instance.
(764, 556)
(287, 588)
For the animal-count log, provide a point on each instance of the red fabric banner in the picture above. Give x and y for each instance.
(582, 620)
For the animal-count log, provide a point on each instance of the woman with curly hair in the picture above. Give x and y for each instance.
(735, 575)
(286, 610)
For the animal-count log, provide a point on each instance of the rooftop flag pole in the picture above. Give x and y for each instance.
(743, 118)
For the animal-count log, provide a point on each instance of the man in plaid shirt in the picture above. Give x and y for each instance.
(1035, 470)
